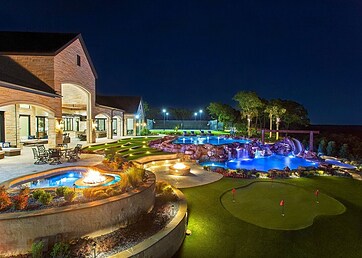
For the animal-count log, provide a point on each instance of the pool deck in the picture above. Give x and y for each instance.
(16, 166)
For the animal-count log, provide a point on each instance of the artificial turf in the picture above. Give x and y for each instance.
(257, 200)
(130, 148)
(217, 233)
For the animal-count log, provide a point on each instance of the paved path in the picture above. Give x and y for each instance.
(198, 176)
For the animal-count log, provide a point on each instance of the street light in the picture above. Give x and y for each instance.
(200, 113)
(167, 115)
(195, 114)
(164, 118)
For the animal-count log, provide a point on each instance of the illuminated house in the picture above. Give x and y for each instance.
(48, 88)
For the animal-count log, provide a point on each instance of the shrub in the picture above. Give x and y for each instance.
(100, 194)
(45, 198)
(37, 193)
(5, 200)
(60, 191)
(135, 175)
(60, 250)
(21, 200)
(87, 193)
(164, 192)
(37, 249)
(69, 195)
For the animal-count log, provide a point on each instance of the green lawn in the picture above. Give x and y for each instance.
(130, 148)
(217, 233)
(257, 200)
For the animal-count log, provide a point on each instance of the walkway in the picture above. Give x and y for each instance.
(198, 176)
(15, 166)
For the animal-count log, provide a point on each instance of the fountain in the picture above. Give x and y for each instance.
(242, 154)
(179, 169)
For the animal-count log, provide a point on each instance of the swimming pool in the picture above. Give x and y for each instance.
(214, 140)
(66, 177)
(264, 163)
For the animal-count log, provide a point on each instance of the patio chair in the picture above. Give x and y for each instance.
(73, 155)
(202, 132)
(38, 159)
(54, 156)
(192, 133)
(209, 133)
(42, 152)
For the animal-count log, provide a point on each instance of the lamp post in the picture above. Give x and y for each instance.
(137, 124)
(200, 113)
(167, 115)
(164, 118)
(195, 114)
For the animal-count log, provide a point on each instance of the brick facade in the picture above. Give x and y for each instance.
(55, 71)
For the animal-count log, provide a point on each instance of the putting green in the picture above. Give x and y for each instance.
(259, 203)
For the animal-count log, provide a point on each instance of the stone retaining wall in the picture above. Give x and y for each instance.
(163, 244)
(19, 230)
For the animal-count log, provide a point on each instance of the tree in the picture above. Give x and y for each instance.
(322, 147)
(331, 148)
(274, 108)
(295, 114)
(223, 113)
(248, 102)
(344, 151)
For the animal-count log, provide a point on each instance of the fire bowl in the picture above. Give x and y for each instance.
(179, 169)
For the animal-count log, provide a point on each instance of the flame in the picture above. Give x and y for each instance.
(93, 177)
(179, 166)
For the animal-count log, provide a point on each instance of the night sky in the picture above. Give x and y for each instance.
(190, 53)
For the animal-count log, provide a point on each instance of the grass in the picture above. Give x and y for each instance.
(217, 233)
(258, 199)
(130, 148)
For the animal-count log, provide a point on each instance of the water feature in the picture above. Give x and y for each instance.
(242, 154)
(69, 177)
(265, 163)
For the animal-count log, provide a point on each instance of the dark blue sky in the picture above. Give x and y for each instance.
(189, 53)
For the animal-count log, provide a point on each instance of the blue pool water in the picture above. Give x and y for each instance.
(265, 163)
(64, 178)
(214, 140)
(339, 164)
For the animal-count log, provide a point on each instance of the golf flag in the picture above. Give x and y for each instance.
(282, 206)
(233, 191)
(316, 192)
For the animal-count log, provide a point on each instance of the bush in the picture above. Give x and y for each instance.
(21, 200)
(135, 175)
(164, 192)
(60, 191)
(45, 198)
(5, 200)
(37, 193)
(37, 249)
(69, 194)
(60, 250)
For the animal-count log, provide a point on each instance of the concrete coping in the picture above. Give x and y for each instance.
(152, 241)
(148, 159)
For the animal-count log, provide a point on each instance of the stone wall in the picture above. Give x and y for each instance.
(163, 244)
(21, 229)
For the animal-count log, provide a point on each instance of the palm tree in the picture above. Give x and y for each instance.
(272, 110)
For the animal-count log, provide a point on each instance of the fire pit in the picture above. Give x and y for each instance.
(179, 169)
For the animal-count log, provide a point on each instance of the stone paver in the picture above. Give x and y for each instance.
(198, 176)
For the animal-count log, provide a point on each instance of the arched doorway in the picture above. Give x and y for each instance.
(77, 118)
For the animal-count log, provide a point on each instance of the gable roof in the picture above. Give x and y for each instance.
(39, 43)
(129, 104)
(15, 76)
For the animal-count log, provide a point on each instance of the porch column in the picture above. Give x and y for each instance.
(55, 131)
(119, 127)
(91, 132)
(109, 128)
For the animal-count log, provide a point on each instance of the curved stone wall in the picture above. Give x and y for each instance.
(21, 229)
(166, 242)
